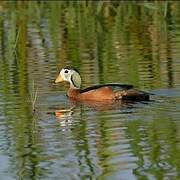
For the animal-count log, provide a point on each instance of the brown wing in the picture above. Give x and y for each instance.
(98, 94)
(132, 94)
(114, 87)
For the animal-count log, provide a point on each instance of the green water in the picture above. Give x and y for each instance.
(121, 42)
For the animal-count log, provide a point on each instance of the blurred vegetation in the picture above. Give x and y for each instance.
(134, 42)
(122, 35)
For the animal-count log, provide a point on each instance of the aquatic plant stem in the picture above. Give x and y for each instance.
(33, 96)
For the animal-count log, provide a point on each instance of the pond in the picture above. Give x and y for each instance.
(120, 42)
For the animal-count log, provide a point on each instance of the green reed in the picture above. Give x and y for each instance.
(33, 96)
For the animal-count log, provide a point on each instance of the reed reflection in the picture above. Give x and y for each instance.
(127, 42)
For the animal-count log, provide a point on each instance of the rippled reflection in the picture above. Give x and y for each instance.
(125, 42)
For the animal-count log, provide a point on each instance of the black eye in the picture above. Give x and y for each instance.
(66, 71)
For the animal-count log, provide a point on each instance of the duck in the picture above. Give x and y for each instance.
(106, 92)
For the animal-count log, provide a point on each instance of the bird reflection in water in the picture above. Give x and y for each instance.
(64, 116)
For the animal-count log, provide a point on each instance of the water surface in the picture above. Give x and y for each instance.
(136, 43)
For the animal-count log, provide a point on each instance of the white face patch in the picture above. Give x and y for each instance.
(72, 77)
(66, 74)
